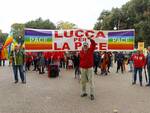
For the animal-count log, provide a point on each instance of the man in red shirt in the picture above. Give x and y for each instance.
(86, 65)
(138, 62)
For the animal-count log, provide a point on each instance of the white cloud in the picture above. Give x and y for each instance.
(84, 13)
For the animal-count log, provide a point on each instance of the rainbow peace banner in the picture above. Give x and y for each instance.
(40, 40)
(72, 40)
(121, 40)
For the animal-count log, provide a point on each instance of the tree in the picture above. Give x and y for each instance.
(3, 37)
(135, 14)
(66, 25)
(18, 30)
(40, 24)
(101, 23)
(0, 32)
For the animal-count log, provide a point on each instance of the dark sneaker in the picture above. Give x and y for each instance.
(23, 82)
(133, 83)
(95, 73)
(16, 82)
(92, 97)
(147, 85)
(83, 95)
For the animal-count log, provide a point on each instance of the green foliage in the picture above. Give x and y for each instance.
(135, 14)
(40, 24)
(66, 25)
(18, 30)
(3, 36)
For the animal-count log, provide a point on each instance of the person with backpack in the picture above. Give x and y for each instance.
(148, 65)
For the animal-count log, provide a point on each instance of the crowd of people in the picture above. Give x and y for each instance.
(85, 63)
(132, 61)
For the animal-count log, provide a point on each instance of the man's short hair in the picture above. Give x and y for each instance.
(85, 44)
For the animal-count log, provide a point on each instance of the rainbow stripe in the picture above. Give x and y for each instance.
(9, 40)
(38, 39)
(121, 40)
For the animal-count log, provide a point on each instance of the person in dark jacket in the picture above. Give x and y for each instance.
(120, 61)
(76, 60)
(35, 60)
(86, 65)
(148, 65)
(29, 59)
(97, 59)
(41, 64)
(109, 61)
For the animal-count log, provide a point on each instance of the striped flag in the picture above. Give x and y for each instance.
(9, 40)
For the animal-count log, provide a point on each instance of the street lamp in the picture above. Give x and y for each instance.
(115, 28)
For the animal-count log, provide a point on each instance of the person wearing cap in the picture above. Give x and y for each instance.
(86, 65)
(138, 63)
(148, 65)
(17, 56)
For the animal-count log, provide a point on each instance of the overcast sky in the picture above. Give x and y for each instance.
(83, 13)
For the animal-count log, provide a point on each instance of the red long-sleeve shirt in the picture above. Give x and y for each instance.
(86, 58)
(138, 60)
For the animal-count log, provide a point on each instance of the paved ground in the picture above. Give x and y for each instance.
(62, 95)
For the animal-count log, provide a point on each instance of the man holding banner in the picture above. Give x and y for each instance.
(86, 65)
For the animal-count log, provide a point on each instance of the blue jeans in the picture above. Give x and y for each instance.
(131, 66)
(120, 65)
(77, 71)
(148, 69)
(21, 72)
(140, 74)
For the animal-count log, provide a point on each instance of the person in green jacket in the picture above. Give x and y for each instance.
(17, 56)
